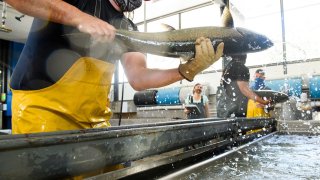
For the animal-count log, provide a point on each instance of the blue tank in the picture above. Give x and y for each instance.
(168, 96)
(314, 87)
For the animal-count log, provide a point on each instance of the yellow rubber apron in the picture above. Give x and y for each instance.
(78, 100)
(254, 111)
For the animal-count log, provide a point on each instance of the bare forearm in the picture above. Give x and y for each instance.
(63, 13)
(154, 78)
(54, 10)
(141, 77)
(245, 90)
(255, 97)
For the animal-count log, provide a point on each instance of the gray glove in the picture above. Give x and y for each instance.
(205, 56)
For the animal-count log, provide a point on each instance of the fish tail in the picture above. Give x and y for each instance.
(226, 16)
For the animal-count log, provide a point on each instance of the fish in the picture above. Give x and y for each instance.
(181, 43)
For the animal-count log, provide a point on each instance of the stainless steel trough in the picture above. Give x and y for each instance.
(71, 153)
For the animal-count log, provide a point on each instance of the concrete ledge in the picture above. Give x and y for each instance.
(170, 112)
(124, 121)
(307, 127)
(152, 108)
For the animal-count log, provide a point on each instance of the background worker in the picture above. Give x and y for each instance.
(61, 84)
(259, 78)
(202, 103)
(235, 92)
(198, 99)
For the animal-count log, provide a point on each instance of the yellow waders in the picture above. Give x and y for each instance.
(78, 100)
(254, 111)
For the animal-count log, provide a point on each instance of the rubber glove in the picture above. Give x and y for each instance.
(205, 56)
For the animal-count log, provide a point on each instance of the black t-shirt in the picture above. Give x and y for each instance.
(233, 72)
(49, 53)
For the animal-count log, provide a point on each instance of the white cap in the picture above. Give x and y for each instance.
(304, 97)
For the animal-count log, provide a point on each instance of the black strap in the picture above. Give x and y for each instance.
(83, 4)
(97, 10)
(191, 99)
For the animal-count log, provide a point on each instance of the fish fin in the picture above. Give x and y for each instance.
(220, 2)
(236, 14)
(167, 27)
(227, 19)
(230, 12)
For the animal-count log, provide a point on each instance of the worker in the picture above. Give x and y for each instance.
(235, 97)
(61, 84)
(259, 78)
(200, 100)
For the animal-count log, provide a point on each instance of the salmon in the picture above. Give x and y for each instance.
(181, 43)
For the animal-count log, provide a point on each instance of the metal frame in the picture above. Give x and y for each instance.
(71, 153)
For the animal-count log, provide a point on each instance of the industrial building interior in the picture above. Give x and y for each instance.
(150, 134)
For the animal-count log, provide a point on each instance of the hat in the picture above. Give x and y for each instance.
(260, 71)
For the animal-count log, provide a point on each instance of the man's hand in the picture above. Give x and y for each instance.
(99, 30)
(205, 56)
(266, 103)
